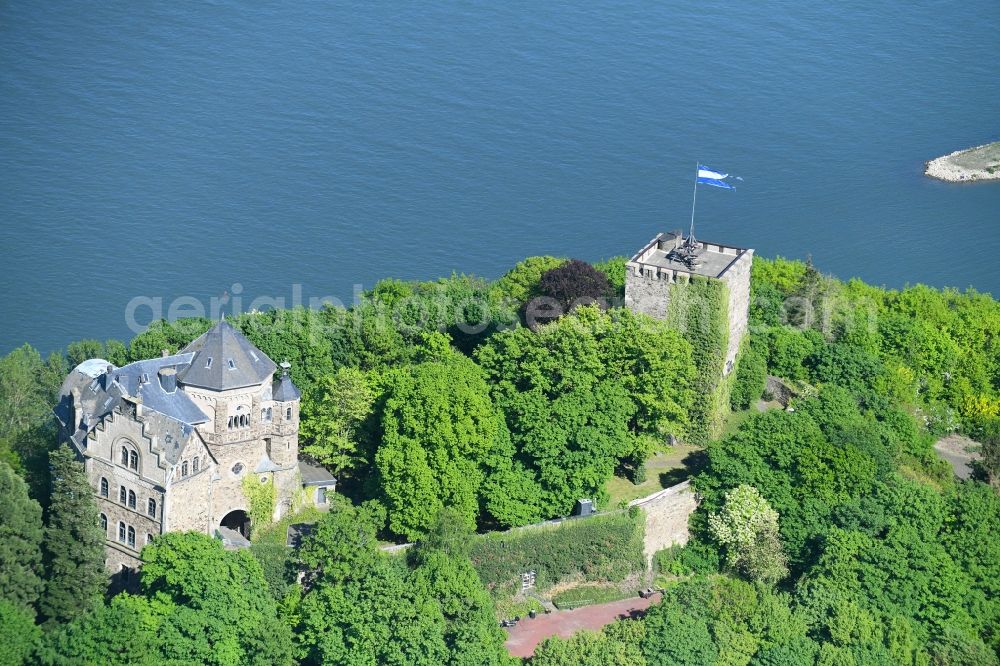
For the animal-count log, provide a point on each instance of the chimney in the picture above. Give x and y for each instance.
(168, 379)
(285, 367)
(164, 353)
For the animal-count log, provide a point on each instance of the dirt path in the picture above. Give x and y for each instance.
(959, 451)
(522, 639)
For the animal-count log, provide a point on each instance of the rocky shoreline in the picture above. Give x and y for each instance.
(971, 164)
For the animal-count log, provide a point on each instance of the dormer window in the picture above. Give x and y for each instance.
(145, 378)
(232, 364)
(208, 363)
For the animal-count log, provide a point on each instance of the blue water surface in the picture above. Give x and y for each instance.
(169, 149)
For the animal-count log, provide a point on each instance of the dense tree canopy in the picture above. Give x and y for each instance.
(442, 440)
(441, 415)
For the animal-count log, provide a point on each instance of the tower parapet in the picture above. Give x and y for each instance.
(670, 262)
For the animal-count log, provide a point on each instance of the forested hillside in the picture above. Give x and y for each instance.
(828, 532)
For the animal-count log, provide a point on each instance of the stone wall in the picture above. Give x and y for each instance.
(667, 513)
(737, 279)
(647, 290)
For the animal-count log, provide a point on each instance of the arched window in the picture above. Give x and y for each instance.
(288, 414)
(184, 468)
(151, 507)
(133, 460)
(149, 538)
(131, 537)
(245, 420)
(124, 457)
(104, 487)
(195, 465)
(263, 415)
(104, 524)
(122, 494)
(131, 499)
(121, 532)
(268, 413)
(230, 426)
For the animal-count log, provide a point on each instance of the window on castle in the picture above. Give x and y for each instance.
(131, 499)
(126, 573)
(232, 364)
(195, 464)
(263, 415)
(124, 457)
(149, 538)
(122, 494)
(104, 524)
(131, 537)
(184, 469)
(151, 507)
(231, 419)
(268, 413)
(121, 532)
(133, 460)
(208, 363)
(104, 487)
(288, 414)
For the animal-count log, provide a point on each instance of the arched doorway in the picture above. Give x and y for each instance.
(239, 521)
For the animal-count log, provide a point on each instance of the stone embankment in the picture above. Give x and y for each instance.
(979, 163)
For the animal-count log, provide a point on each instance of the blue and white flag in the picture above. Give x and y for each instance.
(708, 176)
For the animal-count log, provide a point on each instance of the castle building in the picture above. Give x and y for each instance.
(670, 262)
(172, 443)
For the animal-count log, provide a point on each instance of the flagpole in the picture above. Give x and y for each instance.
(694, 200)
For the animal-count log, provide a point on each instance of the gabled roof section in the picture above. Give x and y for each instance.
(225, 359)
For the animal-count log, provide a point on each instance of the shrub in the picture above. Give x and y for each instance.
(751, 378)
(601, 548)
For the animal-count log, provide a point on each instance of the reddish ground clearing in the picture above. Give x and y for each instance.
(522, 639)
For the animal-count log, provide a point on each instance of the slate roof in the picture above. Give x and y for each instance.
(283, 389)
(225, 359)
(314, 475)
(102, 388)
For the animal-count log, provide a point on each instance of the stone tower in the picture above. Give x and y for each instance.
(670, 262)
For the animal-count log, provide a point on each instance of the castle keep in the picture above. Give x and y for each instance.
(169, 443)
(670, 262)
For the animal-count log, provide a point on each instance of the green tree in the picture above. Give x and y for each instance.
(568, 416)
(162, 334)
(676, 638)
(520, 283)
(20, 542)
(610, 647)
(19, 634)
(442, 438)
(297, 336)
(333, 418)
(359, 608)
(444, 573)
(74, 543)
(751, 377)
(747, 527)
(614, 269)
(214, 606)
(28, 387)
(129, 631)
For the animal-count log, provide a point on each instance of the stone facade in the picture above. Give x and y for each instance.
(667, 513)
(650, 274)
(167, 455)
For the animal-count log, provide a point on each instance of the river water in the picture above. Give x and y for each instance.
(168, 150)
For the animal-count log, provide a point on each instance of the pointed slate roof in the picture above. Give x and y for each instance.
(224, 359)
(283, 389)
